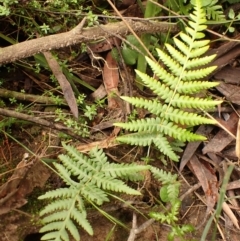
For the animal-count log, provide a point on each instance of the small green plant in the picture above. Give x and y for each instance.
(89, 178)
(169, 193)
(176, 86)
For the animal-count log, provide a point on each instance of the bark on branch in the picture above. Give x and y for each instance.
(78, 35)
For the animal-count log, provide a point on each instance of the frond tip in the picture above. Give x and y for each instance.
(176, 85)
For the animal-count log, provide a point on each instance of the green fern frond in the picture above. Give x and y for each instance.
(215, 12)
(156, 126)
(178, 81)
(126, 171)
(162, 143)
(194, 86)
(169, 182)
(94, 194)
(163, 176)
(89, 177)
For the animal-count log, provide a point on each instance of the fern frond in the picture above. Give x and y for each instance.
(163, 176)
(127, 172)
(190, 75)
(89, 177)
(194, 86)
(166, 127)
(62, 204)
(95, 194)
(138, 139)
(183, 117)
(184, 101)
(179, 78)
(59, 193)
(162, 143)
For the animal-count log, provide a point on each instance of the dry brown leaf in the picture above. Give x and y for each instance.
(208, 179)
(109, 142)
(62, 80)
(222, 139)
(26, 176)
(230, 214)
(231, 92)
(233, 185)
(111, 80)
(192, 146)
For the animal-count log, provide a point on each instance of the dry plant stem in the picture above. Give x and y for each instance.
(131, 30)
(27, 97)
(37, 120)
(76, 36)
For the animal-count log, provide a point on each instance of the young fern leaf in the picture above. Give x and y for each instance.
(179, 81)
(89, 178)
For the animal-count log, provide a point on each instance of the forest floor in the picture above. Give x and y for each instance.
(31, 134)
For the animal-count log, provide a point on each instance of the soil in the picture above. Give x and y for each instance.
(23, 223)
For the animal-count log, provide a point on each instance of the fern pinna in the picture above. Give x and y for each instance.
(88, 178)
(176, 85)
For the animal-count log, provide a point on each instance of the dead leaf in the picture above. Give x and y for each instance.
(222, 139)
(233, 185)
(111, 80)
(231, 92)
(229, 74)
(108, 142)
(192, 146)
(230, 214)
(63, 82)
(26, 176)
(208, 179)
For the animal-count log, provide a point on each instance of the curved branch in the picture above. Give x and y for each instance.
(76, 36)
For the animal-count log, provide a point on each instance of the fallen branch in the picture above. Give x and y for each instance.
(39, 121)
(79, 35)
